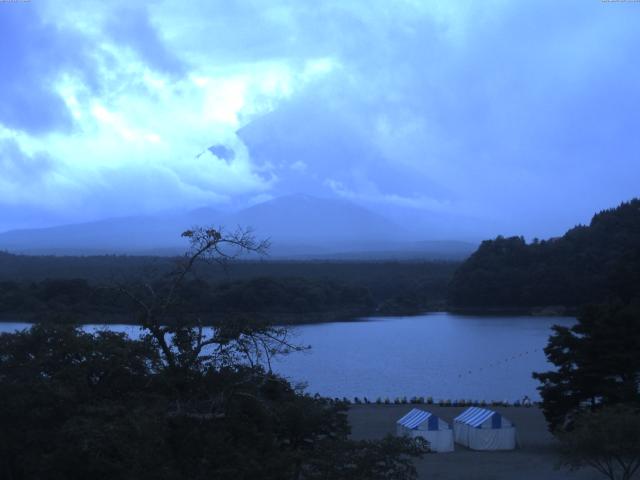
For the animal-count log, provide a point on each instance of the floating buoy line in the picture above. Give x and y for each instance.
(500, 362)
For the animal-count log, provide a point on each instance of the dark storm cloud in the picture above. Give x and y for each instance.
(516, 118)
(521, 115)
(32, 54)
(130, 26)
(333, 148)
(222, 152)
(20, 167)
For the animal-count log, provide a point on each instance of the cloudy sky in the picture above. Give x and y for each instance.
(519, 115)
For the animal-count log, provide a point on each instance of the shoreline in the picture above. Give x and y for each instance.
(539, 311)
(290, 319)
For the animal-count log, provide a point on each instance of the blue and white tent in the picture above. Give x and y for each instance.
(482, 429)
(419, 423)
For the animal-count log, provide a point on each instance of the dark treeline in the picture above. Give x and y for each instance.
(76, 300)
(83, 288)
(589, 264)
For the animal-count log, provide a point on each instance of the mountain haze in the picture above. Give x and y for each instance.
(299, 226)
(317, 223)
(149, 234)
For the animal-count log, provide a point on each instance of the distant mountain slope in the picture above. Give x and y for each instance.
(140, 234)
(317, 221)
(589, 264)
(299, 227)
(296, 224)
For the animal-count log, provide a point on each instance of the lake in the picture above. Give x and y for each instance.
(441, 355)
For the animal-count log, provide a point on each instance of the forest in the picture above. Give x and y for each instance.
(86, 289)
(589, 264)
(595, 263)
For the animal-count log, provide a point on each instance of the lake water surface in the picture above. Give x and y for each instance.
(441, 355)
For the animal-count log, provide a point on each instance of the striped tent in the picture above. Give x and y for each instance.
(483, 429)
(420, 423)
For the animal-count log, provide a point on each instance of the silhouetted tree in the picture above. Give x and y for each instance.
(597, 364)
(607, 440)
(181, 338)
(178, 403)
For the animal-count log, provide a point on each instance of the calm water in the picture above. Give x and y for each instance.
(441, 355)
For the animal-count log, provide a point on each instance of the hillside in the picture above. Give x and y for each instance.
(150, 234)
(588, 264)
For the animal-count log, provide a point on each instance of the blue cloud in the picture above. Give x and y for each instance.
(222, 152)
(32, 54)
(506, 111)
(501, 120)
(21, 168)
(131, 27)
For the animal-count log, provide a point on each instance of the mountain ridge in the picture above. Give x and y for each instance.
(298, 225)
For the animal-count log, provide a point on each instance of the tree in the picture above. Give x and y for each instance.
(595, 263)
(389, 459)
(75, 404)
(597, 364)
(607, 440)
(181, 338)
(181, 402)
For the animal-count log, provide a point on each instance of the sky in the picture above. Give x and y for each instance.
(518, 117)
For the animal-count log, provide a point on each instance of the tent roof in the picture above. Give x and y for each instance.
(414, 418)
(474, 416)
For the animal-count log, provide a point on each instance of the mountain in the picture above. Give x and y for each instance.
(152, 234)
(298, 226)
(317, 223)
(588, 264)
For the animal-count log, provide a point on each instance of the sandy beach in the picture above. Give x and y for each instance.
(535, 459)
